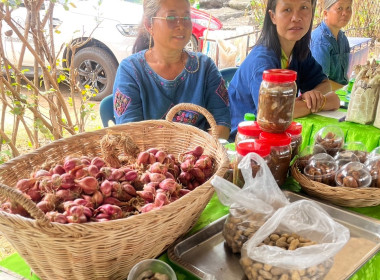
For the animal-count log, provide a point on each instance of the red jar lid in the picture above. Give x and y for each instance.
(279, 75)
(248, 146)
(249, 128)
(276, 139)
(295, 128)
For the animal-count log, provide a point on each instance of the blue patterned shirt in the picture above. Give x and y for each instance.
(141, 94)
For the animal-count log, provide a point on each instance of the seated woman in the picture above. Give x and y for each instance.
(161, 74)
(283, 43)
(329, 45)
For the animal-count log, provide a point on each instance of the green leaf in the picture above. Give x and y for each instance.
(291, 184)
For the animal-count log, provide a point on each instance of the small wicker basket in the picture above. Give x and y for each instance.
(106, 250)
(347, 197)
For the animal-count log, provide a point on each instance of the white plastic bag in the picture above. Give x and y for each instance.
(365, 94)
(308, 220)
(251, 206)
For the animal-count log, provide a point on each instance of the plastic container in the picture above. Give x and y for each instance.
(281, 153)
(307, 153)
(374, 153)
(276, 100)
(373, 166)
(242, 149)
(353, 175)
(321, 168)
(295, 131)
(247, 130)
(146, 269)
(331, 138)
(344, 157)
(358, 148)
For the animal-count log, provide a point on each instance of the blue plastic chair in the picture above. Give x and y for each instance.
(106, 110)
(227, 74)
(106, 105)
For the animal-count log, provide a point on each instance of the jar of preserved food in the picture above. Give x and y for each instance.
(280, 153)
(295, 131)
(247, 130)
(242, 149)
(276, 100)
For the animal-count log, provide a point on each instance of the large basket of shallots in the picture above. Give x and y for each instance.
(92, 205)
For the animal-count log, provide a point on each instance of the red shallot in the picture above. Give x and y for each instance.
(88, 184)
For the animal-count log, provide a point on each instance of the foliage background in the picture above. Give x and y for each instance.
(365, 20)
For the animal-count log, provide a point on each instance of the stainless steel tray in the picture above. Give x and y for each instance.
(205, 254)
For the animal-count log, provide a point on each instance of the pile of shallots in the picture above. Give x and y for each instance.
(84, 189)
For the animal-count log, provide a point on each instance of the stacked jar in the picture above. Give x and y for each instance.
(242, 149)
(280, 153)
(247, 130)
(275, 115)
(295, 131)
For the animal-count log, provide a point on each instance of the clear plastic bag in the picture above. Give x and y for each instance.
(376, 123)
(321, 238)
(365, 94)
(251, 206)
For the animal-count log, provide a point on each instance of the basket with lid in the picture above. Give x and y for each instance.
(106, 250)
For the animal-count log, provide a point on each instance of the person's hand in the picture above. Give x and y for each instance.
(314, 100)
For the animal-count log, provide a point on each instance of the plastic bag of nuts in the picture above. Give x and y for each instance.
(299, 241)
(251, 206)
(242, 223)
(365, 94)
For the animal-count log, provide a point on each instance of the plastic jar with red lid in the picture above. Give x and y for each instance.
(242, 149)
(247, 130)
(276, 100)
(280, 153)
(295, 131)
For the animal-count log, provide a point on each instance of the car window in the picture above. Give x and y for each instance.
(134, 1)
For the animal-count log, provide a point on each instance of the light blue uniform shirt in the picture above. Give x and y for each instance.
(331, 54)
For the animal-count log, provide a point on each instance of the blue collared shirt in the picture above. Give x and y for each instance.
(244, 87)
(331, 54)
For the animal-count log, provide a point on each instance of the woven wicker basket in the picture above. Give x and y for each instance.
(106, 250)
(347, 197)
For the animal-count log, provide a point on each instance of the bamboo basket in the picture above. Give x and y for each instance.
(347, 197)
(107, 250)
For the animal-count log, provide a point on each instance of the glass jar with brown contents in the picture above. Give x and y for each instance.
(247, 130)
(276, 100)
(280, 153)
(295, 131)
(242, 149)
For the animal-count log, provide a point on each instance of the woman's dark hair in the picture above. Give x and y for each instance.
(269, 36)
(151, 7)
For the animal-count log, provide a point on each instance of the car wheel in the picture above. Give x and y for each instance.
(192, 45)
(96, 68)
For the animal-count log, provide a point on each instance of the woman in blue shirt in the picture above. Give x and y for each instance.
(283, 43)
(329, 44)
(162, 74)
